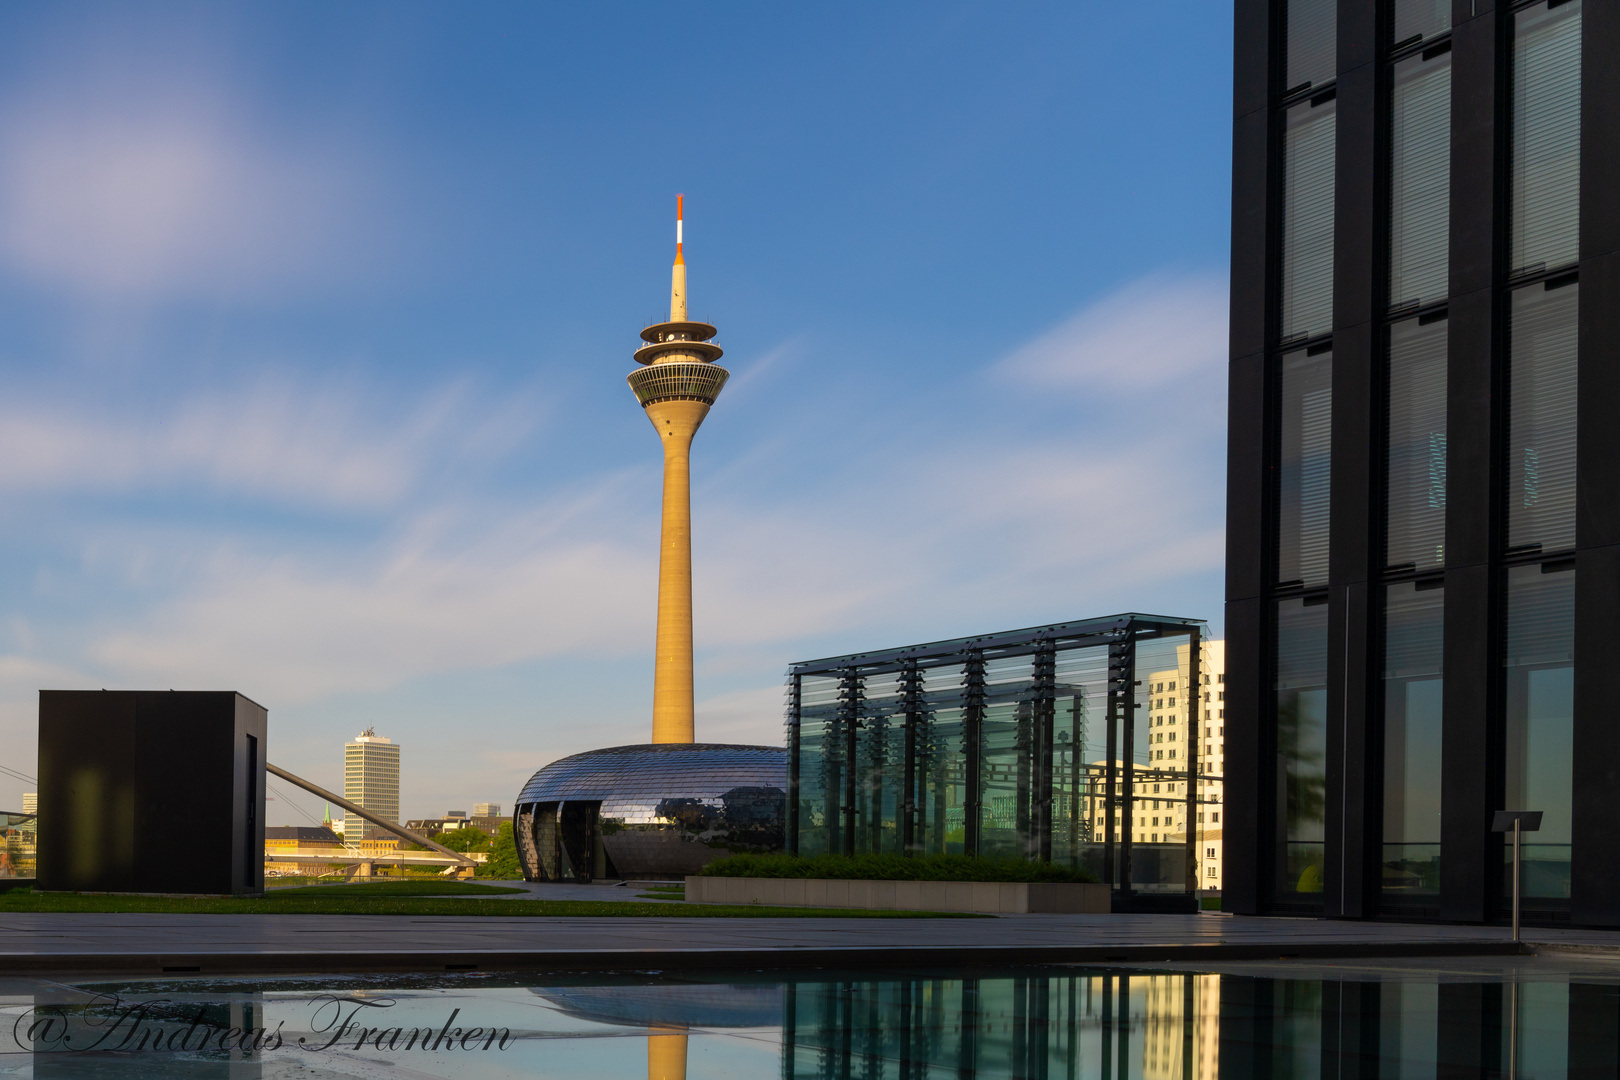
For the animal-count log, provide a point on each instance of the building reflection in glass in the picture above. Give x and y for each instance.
(1124, 1025)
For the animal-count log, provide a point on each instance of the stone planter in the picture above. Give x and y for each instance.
(995, 897)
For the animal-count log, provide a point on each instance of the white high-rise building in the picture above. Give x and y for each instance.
(371, 780)
(1168, 745)
(30, 802)
(486, 809)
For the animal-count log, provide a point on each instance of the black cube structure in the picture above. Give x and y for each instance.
(151, 791)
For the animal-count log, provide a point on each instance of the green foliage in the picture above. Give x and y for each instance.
(503, 859)
(466, 839)
(894, 868)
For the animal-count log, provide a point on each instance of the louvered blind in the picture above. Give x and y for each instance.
(1415, 459)
(1546, 137)
(1541, 416)
(1307, 220)
(1306, 430)
(1421, 18)
(1312, 42)
(1420, 180)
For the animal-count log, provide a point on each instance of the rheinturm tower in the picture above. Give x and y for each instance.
(676, 384)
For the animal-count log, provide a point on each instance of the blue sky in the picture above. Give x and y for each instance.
(314, 322)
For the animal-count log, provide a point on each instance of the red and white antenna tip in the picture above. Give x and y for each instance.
(680, 212)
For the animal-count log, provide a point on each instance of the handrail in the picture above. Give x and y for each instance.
(414, 838)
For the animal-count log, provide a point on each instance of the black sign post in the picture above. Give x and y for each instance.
(1516, 821)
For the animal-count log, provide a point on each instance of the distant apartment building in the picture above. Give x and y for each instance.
(370, 780)
(487, 809)
(456, 819)
(284, 840)
(30, 802)
(1159, 809)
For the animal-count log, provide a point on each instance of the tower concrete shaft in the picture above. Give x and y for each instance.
(677, 383)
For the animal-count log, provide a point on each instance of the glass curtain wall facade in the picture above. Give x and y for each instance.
(1423, 532)
(1075, 744)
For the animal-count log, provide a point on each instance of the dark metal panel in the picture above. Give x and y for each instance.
(1594, 1031)
(1248, 480)
(1350, 852)
(1250, 759)
(1597, 474)
(1468, 754)
(1357, 36)
(1600, 130)
(1251, 204)
(1251, 57)
(1470, 411)
(1476, 151)
(1594, 869)
(1358, 238)
(1356, 463)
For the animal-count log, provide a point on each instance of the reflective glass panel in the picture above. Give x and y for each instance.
(941, 761)
(1420, 180)
(1305, 433)
(1079, 755)
(1415, 482)
(1160, 762)
(1007, 768)
(1307, 220)
(1414, 620)
(1545, 184)
(821, 763)
(1540, 693)
(1312, 36)
(1542, 339)
(1421, 19)
(880, 765)
(1301, 748)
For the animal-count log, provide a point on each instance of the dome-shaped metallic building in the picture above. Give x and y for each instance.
(659, 810)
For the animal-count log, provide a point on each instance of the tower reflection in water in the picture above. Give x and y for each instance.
(1120, 1025)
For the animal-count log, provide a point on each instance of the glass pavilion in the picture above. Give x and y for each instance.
(1075, 743)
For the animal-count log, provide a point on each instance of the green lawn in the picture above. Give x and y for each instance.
(385, 900)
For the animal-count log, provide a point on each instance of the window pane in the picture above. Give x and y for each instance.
(1312, 41)
(1413, 690)
(1541, 417)
(941, 763)
(1301, 748)
(1306, 428)
(1307, 220)
(1421, 18)
(1415, 491)
(1007, 764)
(1420, 180)
(1546, 125)
(1540, 696)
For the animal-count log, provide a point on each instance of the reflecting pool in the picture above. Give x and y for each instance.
(1530, 1018)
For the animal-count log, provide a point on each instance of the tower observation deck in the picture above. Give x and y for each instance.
(676, 384)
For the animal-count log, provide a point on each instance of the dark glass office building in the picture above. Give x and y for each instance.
(1423, 564)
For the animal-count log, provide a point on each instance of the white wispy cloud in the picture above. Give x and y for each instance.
(1142, 335)
(162, 186)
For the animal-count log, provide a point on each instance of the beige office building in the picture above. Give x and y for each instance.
(370, 780)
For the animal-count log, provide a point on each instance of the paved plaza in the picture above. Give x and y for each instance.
(33, 943)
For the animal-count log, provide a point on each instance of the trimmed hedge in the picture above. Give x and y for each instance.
(894, 868)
